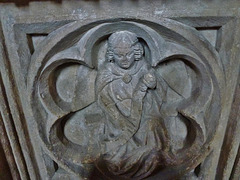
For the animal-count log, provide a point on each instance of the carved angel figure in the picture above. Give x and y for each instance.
(130, 129)
(129, 93)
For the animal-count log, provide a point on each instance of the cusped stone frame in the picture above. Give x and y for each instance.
(83, 126)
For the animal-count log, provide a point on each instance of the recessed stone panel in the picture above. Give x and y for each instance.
(120, 90)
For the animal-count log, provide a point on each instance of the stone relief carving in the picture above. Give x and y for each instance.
(132, 99)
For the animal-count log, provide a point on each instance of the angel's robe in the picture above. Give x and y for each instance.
(135, 136)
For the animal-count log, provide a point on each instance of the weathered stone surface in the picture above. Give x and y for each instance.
(120, 89)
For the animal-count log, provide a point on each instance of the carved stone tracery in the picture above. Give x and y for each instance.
(107, 97)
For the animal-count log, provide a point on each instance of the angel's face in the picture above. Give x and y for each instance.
(124, 57)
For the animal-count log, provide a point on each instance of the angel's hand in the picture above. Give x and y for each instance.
(149, 80)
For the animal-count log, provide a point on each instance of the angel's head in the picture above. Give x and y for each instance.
(124, 48)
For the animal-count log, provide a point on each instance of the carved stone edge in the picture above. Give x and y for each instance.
(229, 161)
(200, 22)
(4, 140)
(25, 31)
(217, 163)
(9, 137)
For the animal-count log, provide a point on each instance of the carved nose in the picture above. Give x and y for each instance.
(124, 58)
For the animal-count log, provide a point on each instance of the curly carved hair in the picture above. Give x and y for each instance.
(127, 38)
